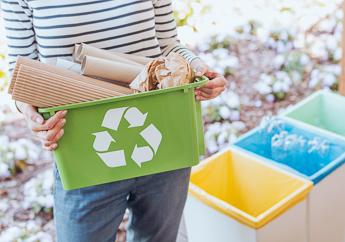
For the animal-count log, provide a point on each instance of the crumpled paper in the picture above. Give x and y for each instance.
(164, 72)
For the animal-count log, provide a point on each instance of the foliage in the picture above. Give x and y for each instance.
(3, 76)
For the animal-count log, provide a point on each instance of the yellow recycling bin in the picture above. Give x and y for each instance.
(236, 197)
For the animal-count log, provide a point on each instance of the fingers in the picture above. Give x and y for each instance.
(52, 136)
(50, 123)
(219, 81)
(211, 74)
(205, 94)
(49, 131)
(52, 133)
(212, 89)
(51, 147)
(52, 144)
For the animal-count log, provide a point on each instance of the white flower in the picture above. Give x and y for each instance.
(278, 61)
(41, 237)
(296, 76)
(304, 60)
(270, 98)
(337, 54)
(224, 112)
(331, 43)
(4, 142)
(11, 234)
(313, 82)
(232, 100)
(263, 88)
(4, 205)
(235, 116)
(20, 153)
(219, 135)
(4, 170)
(38, 191)
(329, 80)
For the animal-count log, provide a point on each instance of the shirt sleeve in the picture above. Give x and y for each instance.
(20, 35)
(166, 30)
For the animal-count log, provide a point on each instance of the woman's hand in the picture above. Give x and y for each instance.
(48, 131)
(214, 87)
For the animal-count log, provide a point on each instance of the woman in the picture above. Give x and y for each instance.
(48, 29)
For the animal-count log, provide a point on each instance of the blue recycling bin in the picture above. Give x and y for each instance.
(312, 154)
(297, 153)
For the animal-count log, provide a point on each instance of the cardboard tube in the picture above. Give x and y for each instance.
(112, 70)
(90, 50)
(69, 65)
(75, 51)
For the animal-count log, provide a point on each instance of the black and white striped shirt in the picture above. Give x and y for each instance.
(47, 29)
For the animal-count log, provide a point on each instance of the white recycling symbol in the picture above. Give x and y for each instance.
(135, 118)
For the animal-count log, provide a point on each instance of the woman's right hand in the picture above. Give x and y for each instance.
(48, 131)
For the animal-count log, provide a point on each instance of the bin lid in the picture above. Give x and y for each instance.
(246, 188)
(199, 82)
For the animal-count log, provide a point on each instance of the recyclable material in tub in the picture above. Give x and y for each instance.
(308, 153)
(323, 109)
(129, 136)
(237, 197)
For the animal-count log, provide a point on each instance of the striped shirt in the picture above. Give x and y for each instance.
(48, 29)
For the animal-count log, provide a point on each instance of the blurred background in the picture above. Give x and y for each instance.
(273, 53)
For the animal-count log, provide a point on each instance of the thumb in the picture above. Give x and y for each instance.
(199, 67)
(201, 70)
(33, 115)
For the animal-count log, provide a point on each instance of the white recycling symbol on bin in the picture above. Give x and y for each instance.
(135, 118)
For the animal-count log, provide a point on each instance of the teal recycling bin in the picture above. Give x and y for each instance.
(323, 109)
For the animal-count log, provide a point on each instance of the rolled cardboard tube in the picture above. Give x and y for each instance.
(75, 52)
(87, 50)
(69, 65)
(112, 70)
(84, 49)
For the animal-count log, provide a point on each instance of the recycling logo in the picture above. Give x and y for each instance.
(135, 118)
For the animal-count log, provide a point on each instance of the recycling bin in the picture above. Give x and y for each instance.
(129, 136)
(323, 109)
(314, 155)
(234, 196)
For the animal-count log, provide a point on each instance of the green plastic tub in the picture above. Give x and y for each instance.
(324, 110)
(130, 136)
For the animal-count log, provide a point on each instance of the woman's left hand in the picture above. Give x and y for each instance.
(214, 87)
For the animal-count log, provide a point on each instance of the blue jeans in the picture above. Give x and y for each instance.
(93, 214)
